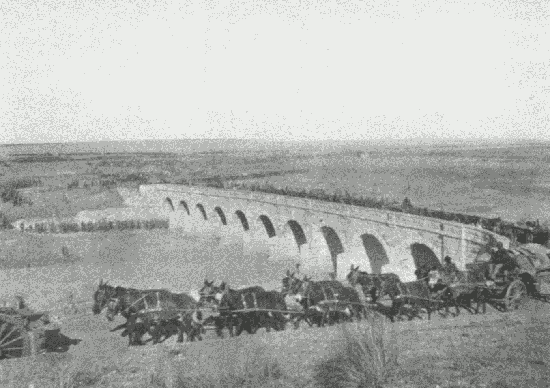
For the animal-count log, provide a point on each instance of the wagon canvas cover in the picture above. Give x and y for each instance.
(539, 255)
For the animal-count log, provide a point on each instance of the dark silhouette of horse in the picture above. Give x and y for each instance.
(101, 296)
(221, 322)
(163, 326)
(324, 297)
(129, 301)
(419, 295)
(208, 293)
(234, 301)
(374, 285)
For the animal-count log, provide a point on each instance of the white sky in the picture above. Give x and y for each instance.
(284, 70)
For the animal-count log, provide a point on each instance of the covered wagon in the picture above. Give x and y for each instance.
(531, 277)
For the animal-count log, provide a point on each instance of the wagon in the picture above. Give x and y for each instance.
(532, 278)
(416, 295)
(21, 332)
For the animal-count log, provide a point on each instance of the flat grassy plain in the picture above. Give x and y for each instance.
(494, 350)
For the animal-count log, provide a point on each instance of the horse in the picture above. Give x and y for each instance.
(129, 301)
(102, 296)
(296, 304)
(253, 298)
(189, 323)
(373, 285)
(313, 295)
(221, 322)
(209, 293)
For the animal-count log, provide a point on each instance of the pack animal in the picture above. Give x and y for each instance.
(128, 302)
(374, 285)
(322, 297)
(189, 324)
(234, 301)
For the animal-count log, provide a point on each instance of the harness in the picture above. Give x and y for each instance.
(253, 299)
(116, 302)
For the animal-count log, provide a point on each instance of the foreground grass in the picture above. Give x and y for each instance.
(499, 350)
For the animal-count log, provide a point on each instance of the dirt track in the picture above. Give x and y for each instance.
(472, 349)
(468, 349)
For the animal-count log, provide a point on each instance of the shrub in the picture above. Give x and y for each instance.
(5, 222)
(255, 369)
(365, 359)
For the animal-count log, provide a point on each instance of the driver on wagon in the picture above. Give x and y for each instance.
(435, 283)
(501, 263)
(450, 270)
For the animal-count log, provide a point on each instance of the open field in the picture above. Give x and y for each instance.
(507, 181)
(495, 350)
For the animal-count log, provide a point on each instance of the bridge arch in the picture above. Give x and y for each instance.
(221, 214)
(242, 218)
(376, 252)
(183, 206)
(201, 209)
(168, 205)
(298, 232)
(269, 228)
(424, 256)
(334, 244)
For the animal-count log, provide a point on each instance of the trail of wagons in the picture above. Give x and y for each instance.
(161, 313)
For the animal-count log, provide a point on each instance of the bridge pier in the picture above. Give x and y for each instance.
(322, 236)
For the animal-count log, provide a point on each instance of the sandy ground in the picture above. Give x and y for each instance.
(431, 353)
(465, 351)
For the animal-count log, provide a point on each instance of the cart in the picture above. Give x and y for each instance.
(530, 279)
(22, 332)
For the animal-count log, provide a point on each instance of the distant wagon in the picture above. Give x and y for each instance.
(531, 278)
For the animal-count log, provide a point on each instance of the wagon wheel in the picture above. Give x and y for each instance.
(14, 341)
(515, 295)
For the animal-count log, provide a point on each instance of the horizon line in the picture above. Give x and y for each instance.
(430, 140)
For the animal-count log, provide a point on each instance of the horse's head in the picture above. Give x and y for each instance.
(208, 292)
(113, 308)
(225, 295)
(102, 296)
(287, 282)
(353, 275)
(299, 286)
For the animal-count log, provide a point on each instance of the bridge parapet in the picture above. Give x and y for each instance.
(389, 218)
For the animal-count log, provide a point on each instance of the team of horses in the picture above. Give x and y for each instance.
(301, 299)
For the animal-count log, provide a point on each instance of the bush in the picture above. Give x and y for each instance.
(365, 359)
(255, 369)
(5, 222)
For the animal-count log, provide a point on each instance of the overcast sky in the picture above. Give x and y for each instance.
(283, 70)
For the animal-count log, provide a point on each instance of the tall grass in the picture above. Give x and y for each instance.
(366, 358)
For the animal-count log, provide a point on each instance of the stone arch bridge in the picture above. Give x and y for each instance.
(323, 237)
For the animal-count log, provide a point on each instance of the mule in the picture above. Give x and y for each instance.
(373, 285)
(234, 301)
(209, 293)
(102, 296)
(221, 322)
(160, 329)
(129, 301)
(317, 293)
